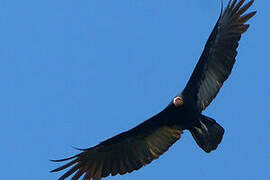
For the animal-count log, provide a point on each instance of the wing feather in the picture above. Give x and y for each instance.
(123, 153)
(218, 57)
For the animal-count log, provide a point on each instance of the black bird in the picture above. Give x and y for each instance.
(139, 146)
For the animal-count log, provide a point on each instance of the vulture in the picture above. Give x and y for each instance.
(139, 146)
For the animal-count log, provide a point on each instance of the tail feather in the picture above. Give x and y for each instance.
(207, 134)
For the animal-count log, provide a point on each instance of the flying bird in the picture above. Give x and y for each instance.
(139, 146)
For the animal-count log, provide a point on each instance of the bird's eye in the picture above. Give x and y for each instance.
(178, 101)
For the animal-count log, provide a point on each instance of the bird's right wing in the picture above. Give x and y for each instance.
(123, 153)
(218, 57)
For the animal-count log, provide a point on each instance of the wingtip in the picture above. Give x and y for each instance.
(222, 6)
(253, 13)
(54, 170)
(80, 149)
(65, 159)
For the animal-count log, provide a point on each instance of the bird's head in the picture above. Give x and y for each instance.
(178, 101)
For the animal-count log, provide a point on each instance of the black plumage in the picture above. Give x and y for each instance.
(139, 146)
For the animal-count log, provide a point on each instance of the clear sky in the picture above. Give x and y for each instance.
(74, 73)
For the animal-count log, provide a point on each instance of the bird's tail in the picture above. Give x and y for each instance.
(207, 133)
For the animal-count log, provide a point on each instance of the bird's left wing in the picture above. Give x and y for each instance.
(218, 57)
(123, 153)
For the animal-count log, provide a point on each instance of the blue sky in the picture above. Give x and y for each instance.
(74, 73)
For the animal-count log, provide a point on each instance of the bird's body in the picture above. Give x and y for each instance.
(130, 150)
(171, 117)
